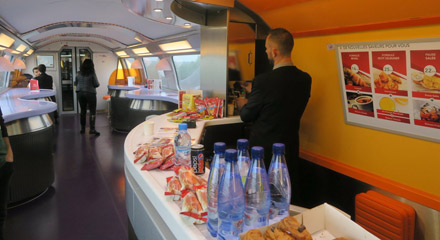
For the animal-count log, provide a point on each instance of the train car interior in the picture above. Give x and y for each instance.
(68, 185)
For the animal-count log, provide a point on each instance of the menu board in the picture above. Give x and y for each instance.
(392, 86)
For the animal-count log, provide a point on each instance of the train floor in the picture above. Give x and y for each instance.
(87, 199)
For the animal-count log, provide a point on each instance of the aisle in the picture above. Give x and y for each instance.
(87, 199)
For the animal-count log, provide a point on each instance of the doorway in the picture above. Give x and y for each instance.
(71, 59)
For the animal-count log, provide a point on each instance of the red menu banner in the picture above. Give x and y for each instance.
(392, 118)
(361, 112)
(396, 59)
(427, 123)
(356, 71)
(423, 58)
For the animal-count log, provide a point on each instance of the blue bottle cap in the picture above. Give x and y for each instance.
(231, 155)
(183, 126)
(219, 147)
(278, 148)
(242, 144)
(257, 152)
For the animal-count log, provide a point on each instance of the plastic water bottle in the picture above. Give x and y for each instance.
(243, 159)
(279, 183)
(257, 192)
(230, 199)
(217, 169)
(182, 146)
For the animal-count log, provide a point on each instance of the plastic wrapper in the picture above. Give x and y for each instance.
(201, 107)
(211, 105)
(202, 196)
(141, 153)
(167, 151)
(191, 208)
(169, 163)
(153, 163)
(219, 107)
(173, 188)
(187, 177)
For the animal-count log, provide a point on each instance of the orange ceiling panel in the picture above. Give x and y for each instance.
(260, 7)
(307, 17)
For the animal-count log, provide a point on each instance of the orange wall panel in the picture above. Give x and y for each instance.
(406, 160)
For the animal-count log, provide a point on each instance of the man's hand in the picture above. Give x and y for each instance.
(241, 102)
(247, 86)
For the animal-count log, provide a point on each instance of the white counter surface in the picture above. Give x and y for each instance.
(153, 183)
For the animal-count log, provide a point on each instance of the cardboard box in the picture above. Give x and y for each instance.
(326, 222)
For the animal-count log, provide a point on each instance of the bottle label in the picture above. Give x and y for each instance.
(228, 229)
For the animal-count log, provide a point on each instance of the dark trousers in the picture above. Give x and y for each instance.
(5, 179)
(87, 99)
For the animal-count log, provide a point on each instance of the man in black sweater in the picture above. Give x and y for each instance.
(276, 104)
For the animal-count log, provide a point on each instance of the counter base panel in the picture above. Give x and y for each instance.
(33, 163)
(144, 218)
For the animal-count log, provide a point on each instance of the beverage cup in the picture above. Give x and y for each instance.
(148, 128)
(130, 81)
(363, 103)
(231, 108)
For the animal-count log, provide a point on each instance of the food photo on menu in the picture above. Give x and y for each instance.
(425, 79)
(427, 113)
(356, 69)
(389, 73)
(392, 108)
(359, 103)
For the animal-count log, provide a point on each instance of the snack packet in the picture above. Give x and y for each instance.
(202, 196)
(187, 177)
(211, 105)
(173, 188)
(201, 107)
(169, 163)
(141, 153)
(191, 208)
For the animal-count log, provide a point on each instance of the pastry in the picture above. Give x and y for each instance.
(253, 234)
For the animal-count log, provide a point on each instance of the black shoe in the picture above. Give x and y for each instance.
(82, 131)
(94, 132)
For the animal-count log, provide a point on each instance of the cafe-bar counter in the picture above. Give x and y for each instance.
(119, 105)
(30, 130)
(146, 102)
(151, 214)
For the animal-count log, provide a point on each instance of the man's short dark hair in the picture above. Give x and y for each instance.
(35, 68)
(42, 68)
(283, 39)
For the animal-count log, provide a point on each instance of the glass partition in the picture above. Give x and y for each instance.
(150, 67)
(187, 71)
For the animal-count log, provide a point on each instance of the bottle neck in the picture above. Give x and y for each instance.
(258, 162)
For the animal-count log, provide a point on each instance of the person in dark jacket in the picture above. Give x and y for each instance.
(45, 82)
(6, 170)
(86, 83)
(277, 102)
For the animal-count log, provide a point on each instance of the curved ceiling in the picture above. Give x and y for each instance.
(107, 22)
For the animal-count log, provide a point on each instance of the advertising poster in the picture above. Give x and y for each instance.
(392, 86)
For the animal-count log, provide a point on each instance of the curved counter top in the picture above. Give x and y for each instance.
(123, 87)
(16, 103)
(145, 94)
(145, 189)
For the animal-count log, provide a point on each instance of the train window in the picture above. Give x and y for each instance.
(187, 71)
(128, 62)
(150, 67)
(2, 80)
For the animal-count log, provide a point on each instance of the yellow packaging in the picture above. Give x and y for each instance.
(188, 101)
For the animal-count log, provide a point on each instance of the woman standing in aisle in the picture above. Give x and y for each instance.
(86, 83)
